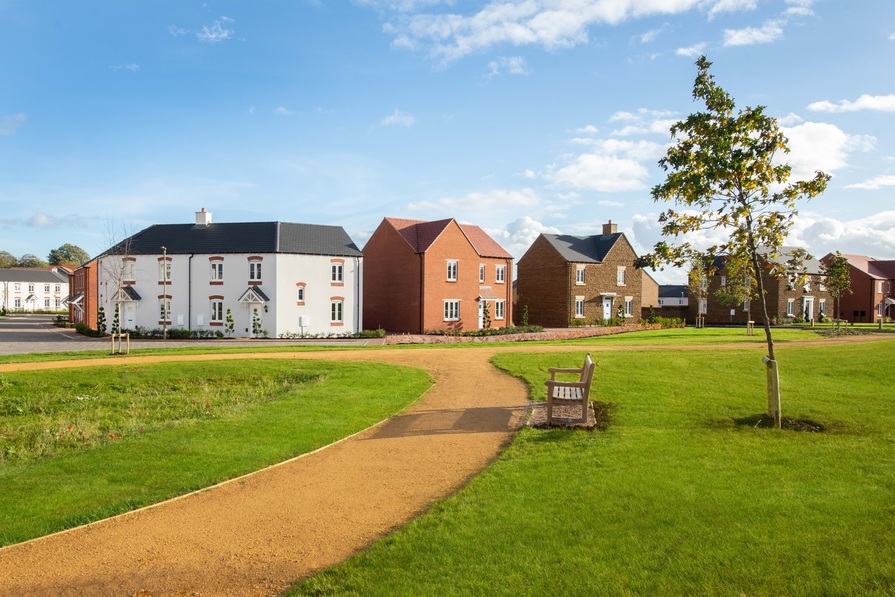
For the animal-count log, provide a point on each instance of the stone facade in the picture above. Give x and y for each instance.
(565, 281)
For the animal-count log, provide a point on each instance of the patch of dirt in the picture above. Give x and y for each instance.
(766, 422)
(569, 417)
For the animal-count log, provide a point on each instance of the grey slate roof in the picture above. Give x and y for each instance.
(36, 275)
(583, 249)
(241, 237)
(673, 291)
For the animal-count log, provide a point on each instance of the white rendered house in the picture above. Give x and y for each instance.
(275, 278)
(28, 289)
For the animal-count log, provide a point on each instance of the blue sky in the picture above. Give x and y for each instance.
(521, 117)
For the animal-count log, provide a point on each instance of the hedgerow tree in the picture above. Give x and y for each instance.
(837, 277)
(724, 176)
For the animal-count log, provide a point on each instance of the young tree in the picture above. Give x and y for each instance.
(837, 274)
(698, 281)
(723, 176)
(68, 254)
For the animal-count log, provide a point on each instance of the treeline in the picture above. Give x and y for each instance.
(67, 255)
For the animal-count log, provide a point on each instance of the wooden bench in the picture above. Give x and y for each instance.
(570, 393)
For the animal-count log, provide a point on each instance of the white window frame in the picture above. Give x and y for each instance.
(18, 303)
(703, 306)
(255, 270)
(46, 288)
(723, 280)
(579, 306)
(579, 275)
(453, 270)
(500, 274)
(337, 311)
(128, 270)
(337, 273)
(620, 276)
(879, 286)
(164, 271)
(498, 309)
(58, 288)
(629, 306)
(747, 304)
(452, 309)
(300, 294)
(879, 309)
(217, 311)
(30, 287)
(790, 307)
(482, 273)
(217, 271)
(164, 308)
(46, 302)
(822, 307)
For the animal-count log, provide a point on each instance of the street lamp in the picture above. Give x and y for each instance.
(164, 293)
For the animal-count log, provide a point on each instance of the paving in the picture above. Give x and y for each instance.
(20, 334)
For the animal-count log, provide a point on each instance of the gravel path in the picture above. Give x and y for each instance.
(258, 534)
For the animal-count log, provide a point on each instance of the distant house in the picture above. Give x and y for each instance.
(433, 276)
(275, 278)
(649, 291)
(871, 297)
(789, 297)
(29, 289)
(673, 295)
(565, 279)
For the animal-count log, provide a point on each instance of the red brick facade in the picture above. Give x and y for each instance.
(84, 281)
(872, 283)
(425, 276)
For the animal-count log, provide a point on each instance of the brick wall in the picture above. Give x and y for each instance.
(543, 286)
(391, 282)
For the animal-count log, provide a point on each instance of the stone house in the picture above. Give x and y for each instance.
(789, 297)
(435, 276)
(871, 297)
(564, 280)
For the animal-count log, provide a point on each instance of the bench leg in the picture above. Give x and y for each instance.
(549, 411)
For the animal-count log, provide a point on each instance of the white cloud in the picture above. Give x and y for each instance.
(799, 8)
(587, 129)
(881, 103)
(177, 31)
(770, 31)
(11, 123)
(551, 24)
(692, 51)
(399, 118)
(134, 68)
(519, 234)
(651, 35)
(605, 203)
(217, 33)
(871, 235)
(892, 36)
(42, 220)
(606, 173)
(875, 183)
(515, 65)
(643, 122)
(479, 202)
(282, 111)
(722, 6)
(790, 119)
(821, 146)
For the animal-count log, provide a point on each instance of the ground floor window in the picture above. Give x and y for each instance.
(217, 310)
(164, 309)
(498, 309)
(790, 307)
(18, 303)
(335, 310)
(46, 303)
(451, 310)
(703, 306)
(629, 306)
(579, 306)
(822, 307)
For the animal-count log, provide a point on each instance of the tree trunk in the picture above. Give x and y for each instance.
(770, 361)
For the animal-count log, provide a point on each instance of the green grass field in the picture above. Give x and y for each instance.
(680, 496)
(83, 444)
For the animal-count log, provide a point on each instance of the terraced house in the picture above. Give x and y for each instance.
(564, 280)
(275, 278)
(435, 276)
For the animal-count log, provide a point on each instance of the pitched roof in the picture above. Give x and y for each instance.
(583, 249)
(673, 290)
(420, 235)
(875, 268)
(40, 275)
(240, 237)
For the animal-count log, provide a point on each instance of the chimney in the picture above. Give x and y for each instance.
(203, 218)
(609, 228)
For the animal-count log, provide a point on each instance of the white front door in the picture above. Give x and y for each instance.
(481, 313)
(607, 307)
(808, 308)
(130, 310)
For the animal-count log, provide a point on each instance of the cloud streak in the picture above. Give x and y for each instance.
(879, 103)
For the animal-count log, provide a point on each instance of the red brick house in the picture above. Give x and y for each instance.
(83, 302)
(788, 297)
(435, 276)
(872, 284)
(564, 279)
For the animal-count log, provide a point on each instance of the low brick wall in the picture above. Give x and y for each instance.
(553, 334)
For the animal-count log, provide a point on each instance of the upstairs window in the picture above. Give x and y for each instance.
(217, 270)
(482, 273)
(579, 275)
(500, 274)
(337, 273)
(255, 270)
(620, 276)
(164, 271)
(46, 288)
(452, 270)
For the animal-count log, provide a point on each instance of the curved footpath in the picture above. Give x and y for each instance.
(258, 534)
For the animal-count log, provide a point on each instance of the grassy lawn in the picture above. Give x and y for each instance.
(680, 496)
(78, 445)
